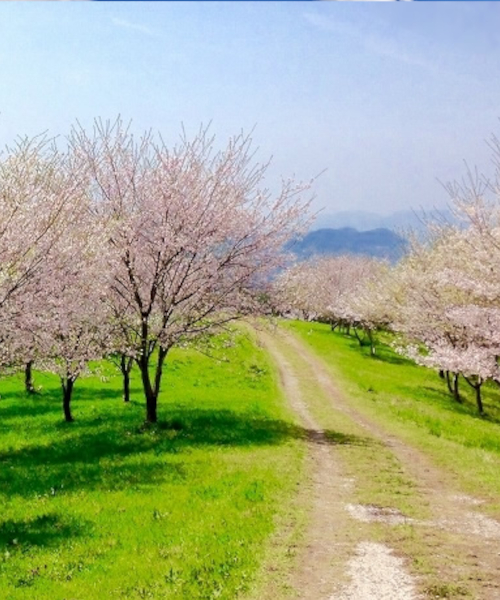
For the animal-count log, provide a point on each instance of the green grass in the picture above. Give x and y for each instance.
(414, 403)
(105, 508)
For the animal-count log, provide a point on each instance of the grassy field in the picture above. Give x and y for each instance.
(105, 508)
(414, 403)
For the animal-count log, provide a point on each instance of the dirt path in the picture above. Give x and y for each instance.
(373, 571)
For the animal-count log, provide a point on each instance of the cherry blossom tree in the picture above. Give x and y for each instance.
(447, 311)
(368, 304)
(345, 291)
(63, 319)
(78, 326)
(302, 291)
(34, 195)
(194, 235)
(37, 188)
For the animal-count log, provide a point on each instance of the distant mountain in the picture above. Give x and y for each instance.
(355, 219)
(364, 221)
(378, 243)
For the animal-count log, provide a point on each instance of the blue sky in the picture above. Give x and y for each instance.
(387, 97)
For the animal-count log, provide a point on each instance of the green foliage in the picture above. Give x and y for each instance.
(107, 508)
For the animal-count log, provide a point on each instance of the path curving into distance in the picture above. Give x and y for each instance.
(337, 561)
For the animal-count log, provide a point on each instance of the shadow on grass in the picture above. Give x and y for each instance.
(383, 352)
(26, 407)
(113, 454)
(44, 530)
(439, 395)
(386, 356)
(19, 404)
(341, 439)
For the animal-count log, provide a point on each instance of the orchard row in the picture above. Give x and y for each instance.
(441, 301)
(120, 246)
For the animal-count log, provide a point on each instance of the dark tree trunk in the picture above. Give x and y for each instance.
(456, 393)
(360, 340)
(152, 389)
(453, 386)
(151, 397)
(126, 386)
(477, 388)
(448, 382)
(67, 386)
(151, 408)
(28, 378)
(479, 400)
(126, 363)
(334, 325)
(369, 333)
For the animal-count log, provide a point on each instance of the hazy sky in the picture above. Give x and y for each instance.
(388, 97)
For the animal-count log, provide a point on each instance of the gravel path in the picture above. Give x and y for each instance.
(377, 574)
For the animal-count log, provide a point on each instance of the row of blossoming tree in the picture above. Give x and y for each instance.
(441, 301)
(125, 247)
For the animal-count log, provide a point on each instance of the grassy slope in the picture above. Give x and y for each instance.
(101, 508)
(414, 403)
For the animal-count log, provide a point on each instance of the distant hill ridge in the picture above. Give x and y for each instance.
(398, 221)
(377, 243)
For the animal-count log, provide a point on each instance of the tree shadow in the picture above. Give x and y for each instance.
(386, 356)
(21, 405)
(383, 352)
(112, 455)
(433, 393)
(26, 407)
(85, 394)
(44, 530)
(440, 395)
(337, 438)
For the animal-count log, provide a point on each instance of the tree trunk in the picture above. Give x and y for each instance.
(149, 392)
(372, 341)
(456, 393)
(477, 387)
(356, 334)
(479, 400)
(448, 382)
(126, 363)
(67, 386)
(151, 407)
(126, 386)
(28, 378)
(152, 390)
